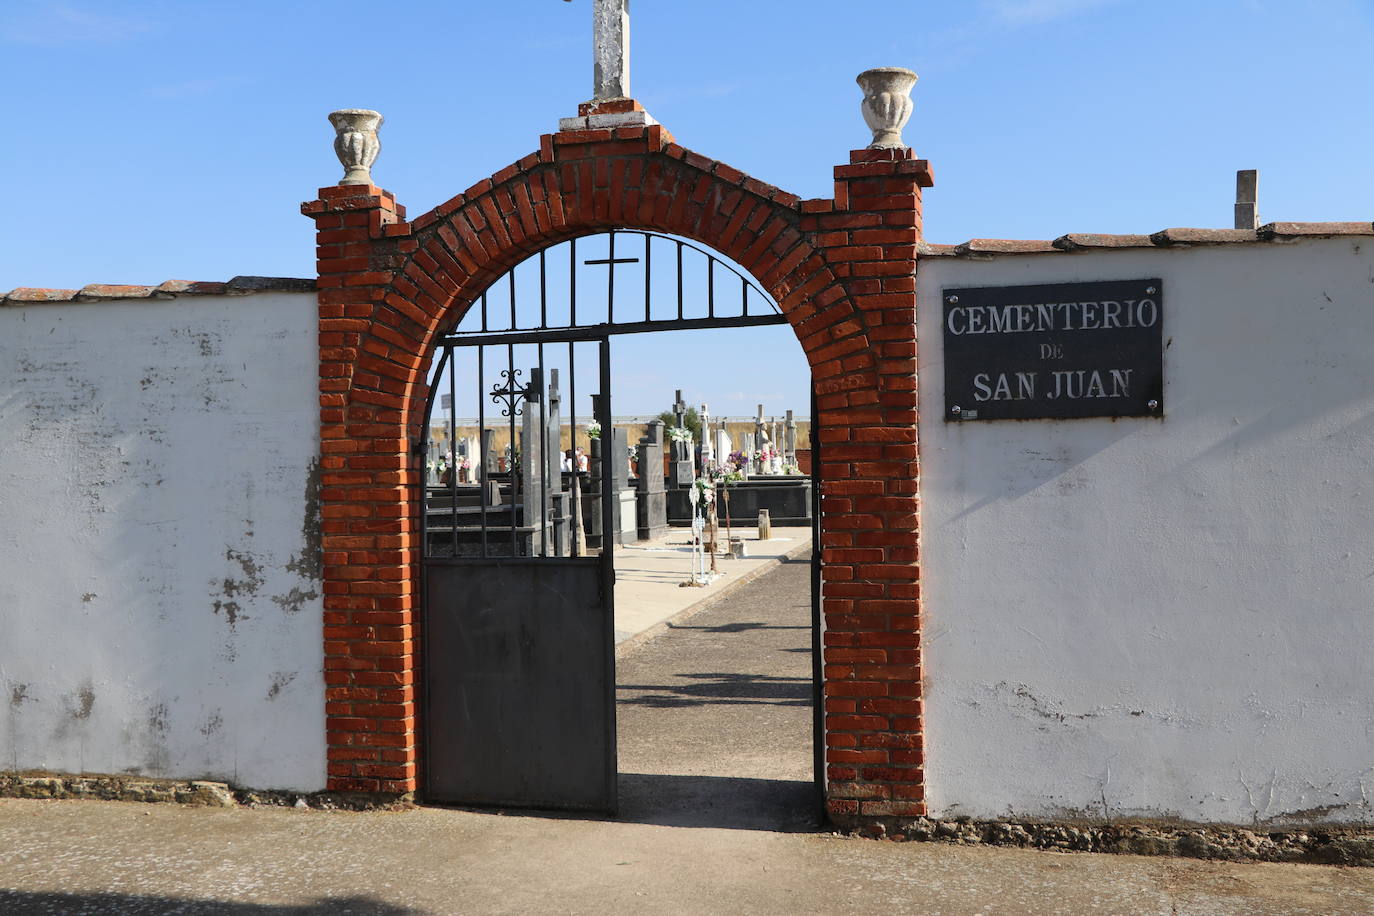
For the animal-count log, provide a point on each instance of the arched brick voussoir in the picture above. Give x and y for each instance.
(574, 187)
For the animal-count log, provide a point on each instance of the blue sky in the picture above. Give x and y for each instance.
(158, 139)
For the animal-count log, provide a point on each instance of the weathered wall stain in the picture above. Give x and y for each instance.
(19, 695)
(1318, 812)
(231, 610)
(76, 709)
(207, 344)
(212, 724)
(157, 757)
(309, 563)
(231, 588)
(85, 701)
(56, 389)
(294, 600)
(279, 680)
(252, 574)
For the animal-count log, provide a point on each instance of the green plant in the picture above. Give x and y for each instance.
(690, 419)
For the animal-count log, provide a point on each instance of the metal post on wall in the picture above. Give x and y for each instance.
(608, 560)
(817, 621)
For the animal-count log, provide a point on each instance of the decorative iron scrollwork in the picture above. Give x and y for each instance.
(512, 392)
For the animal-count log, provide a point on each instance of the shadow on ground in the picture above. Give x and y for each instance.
(41, 903)
(719, 687)
(718, 802)
(733, 627)
(722, 802)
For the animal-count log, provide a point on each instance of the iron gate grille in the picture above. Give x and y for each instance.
(520, 513)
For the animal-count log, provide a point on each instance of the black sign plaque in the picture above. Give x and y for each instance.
(1059, 351)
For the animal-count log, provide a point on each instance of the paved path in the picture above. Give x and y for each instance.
(715, 807)
(649, 576)
(715, 712)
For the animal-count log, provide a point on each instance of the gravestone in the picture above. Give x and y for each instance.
(553, 423)
(622, 493)
(489, 449)
(618, 453)
(680, 471)
(708, 452)
(535, 503)
(592, 496)
(774, 443)
(760, 443)
(612, 446)
(651, 504)
(724, 445)
(467, 451)
(559, 502)
(790, 442)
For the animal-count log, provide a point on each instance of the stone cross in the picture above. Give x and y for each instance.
(680, 408)
(611, 47)
(680, 470)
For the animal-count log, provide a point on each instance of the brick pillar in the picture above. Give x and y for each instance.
(869, 484)
(368, 534)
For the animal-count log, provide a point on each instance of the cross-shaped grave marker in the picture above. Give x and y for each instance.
(680, 408)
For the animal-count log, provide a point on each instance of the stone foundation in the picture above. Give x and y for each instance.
(1334, 844)
(196, 792)
(1327, 844)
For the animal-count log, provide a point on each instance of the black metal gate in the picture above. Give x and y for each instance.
(521, 516)
(519, 632)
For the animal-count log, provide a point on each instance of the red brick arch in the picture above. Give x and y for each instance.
(843, 272)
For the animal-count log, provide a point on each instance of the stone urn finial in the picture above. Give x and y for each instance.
(887, 104)
(356, 142)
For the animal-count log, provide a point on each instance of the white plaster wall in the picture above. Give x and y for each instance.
(1163, 617)
(160, 607)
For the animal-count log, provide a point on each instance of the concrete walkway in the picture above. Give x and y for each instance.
(650, 576)
(715, 818)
